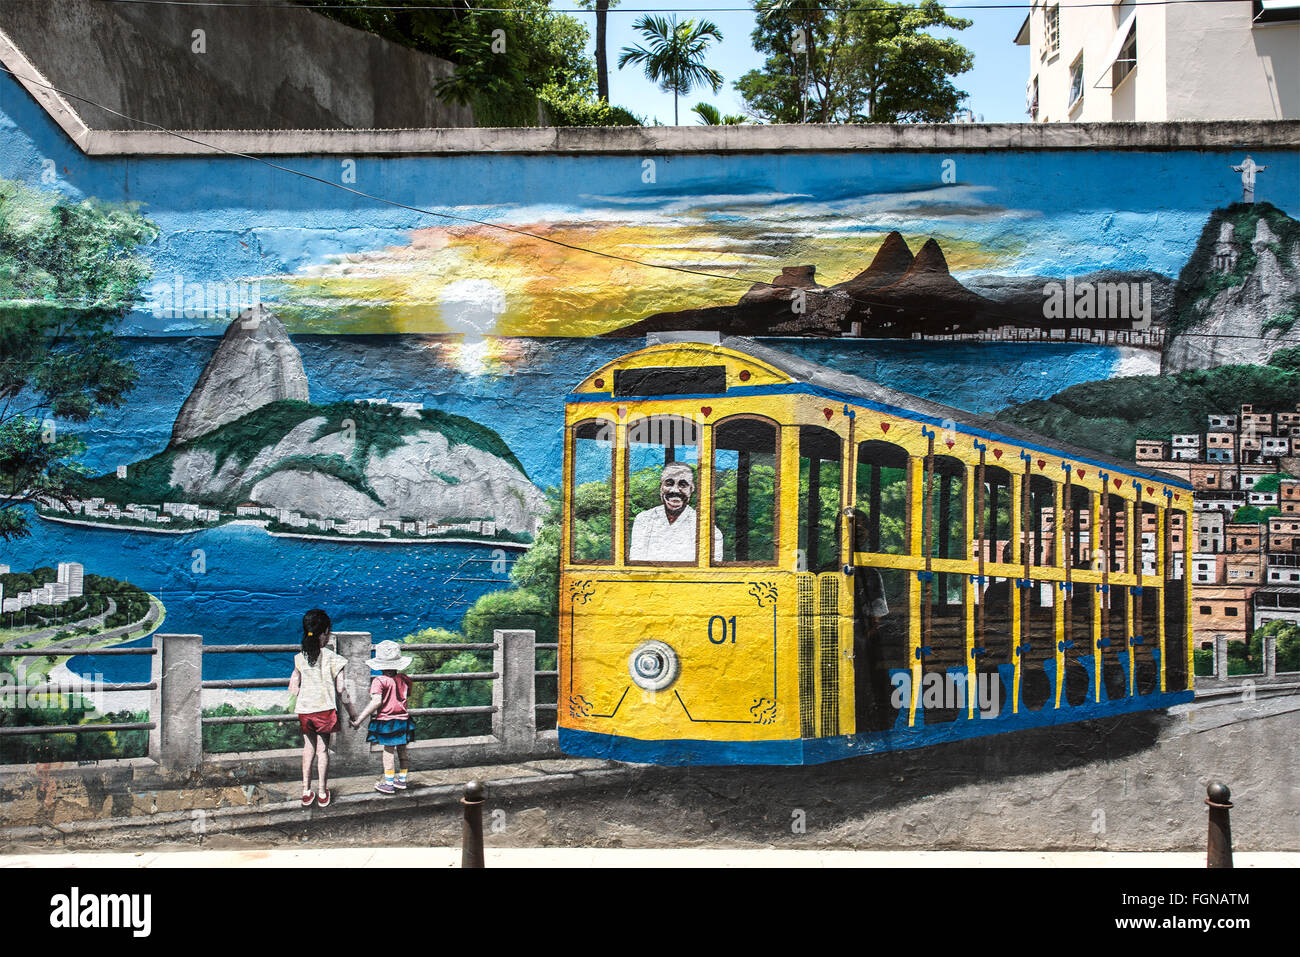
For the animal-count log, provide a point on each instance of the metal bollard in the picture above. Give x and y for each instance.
(1219, 852)
(471, 842)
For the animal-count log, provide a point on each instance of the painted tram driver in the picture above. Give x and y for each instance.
(666, 533)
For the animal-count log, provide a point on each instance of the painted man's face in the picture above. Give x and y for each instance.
(675, 489)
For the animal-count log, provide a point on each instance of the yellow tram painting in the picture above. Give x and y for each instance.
(766, 561)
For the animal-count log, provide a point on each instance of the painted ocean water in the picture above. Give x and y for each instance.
(253, 588)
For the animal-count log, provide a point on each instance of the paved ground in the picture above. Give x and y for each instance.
(625, 857)
(195, 815)
(1135, 784)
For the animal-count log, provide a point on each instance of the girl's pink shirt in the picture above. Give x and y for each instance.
(392, 690)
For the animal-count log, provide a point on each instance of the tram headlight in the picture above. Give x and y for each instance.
(653, 666)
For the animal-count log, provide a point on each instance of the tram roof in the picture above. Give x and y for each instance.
(851, 386)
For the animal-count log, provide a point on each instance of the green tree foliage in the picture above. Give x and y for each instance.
(592, 532)
(1288, 645)
(866, 62)
(760, 529)
(256, 736)
(450, 694)
(543, 61)
(675, 55)
(1246, 657)
(1203, 661)
(710, 115)
(572, 108)
(1249, 513)
(1272, 483)
(61, 710)
(69, 271)
(531, 602)
(1111, 415)
(1288, 359)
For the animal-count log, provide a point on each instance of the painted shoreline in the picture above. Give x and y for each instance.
(70, 682)
(116, 527)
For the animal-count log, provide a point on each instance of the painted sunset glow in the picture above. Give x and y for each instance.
(529, 280)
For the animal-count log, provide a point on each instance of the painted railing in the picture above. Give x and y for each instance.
(176, 720)
(1220, 681)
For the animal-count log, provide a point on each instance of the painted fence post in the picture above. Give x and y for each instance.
(1221, 657)
(351, 745)
(176, 742)
(514, 723)
(1270, 656)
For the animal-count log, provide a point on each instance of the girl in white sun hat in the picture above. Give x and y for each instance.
(391, 725)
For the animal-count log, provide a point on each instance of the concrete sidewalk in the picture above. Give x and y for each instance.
(583, 857)
(146, 814)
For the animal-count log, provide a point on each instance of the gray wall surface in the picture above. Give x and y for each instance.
(278, 68)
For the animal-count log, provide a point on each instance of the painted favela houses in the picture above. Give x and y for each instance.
(781, 456)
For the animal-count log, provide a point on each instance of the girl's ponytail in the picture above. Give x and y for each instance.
(315, 626)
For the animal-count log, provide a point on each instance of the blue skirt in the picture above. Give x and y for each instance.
(391, 733)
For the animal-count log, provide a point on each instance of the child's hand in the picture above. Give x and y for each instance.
(354, 722)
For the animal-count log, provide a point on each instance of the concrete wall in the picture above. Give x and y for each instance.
(281, 68)
(1195, 62)
(373, 393)
(1264, 77)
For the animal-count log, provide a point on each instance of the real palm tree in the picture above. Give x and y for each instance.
(675, 55)
(602, 8)
(710, 115)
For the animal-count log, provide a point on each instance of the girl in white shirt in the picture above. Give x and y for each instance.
(317, 677)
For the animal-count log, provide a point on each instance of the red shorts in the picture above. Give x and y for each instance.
(320, 722)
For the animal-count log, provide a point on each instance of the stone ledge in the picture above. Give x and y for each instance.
(639, 141)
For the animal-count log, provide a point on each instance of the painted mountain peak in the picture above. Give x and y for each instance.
(362, 469)
(1238, 297)
(892, 261)
(255, 364)
(902, 296)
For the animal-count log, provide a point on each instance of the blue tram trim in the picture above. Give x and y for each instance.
(902, 412)
(799, 751)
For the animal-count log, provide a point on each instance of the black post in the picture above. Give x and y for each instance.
(471, 848)
(1219, 853)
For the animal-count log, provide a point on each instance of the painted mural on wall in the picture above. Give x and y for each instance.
(347, 405)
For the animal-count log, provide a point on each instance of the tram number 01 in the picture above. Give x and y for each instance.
(722, 640)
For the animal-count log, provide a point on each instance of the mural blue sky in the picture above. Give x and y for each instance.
(336, 262)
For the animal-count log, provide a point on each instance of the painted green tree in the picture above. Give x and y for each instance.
(69, 271)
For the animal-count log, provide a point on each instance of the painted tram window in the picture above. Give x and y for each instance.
(820, 475)
(663, 477)
(882, 506)
(745, 490)
(592, 502)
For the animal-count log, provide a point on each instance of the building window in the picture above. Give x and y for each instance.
(1126, 62)
(1052, 29)
(1230, 612)
(1076, 82)
(1032, 106)
(1206, 610)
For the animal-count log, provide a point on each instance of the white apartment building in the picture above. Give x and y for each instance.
(1151, 61)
